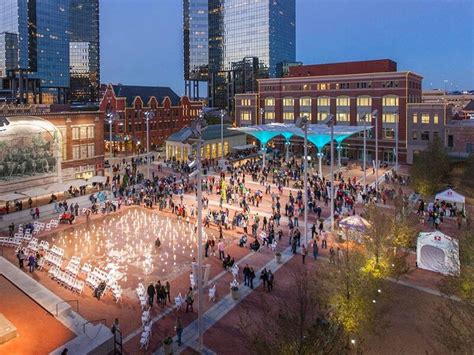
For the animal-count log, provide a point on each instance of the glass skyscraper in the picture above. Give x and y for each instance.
(44, 29)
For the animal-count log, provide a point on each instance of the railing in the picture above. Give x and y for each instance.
(67, 301)
(93, 321)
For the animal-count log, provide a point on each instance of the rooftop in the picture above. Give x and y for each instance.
(130, 92)
(344, 68)
(210, 132)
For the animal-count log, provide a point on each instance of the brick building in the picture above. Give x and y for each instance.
(171, 113)
(81, 133)
(346, 90)
(460, 138)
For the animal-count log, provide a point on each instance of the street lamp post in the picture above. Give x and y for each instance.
(262, 112)
(222, 139)
(364, 164)
(375, 114)
(339, 150)
(330, 122)
(320, 158)
(396, 140)
(111, 117)
(197, 130)
(148, 116)
(303, 122)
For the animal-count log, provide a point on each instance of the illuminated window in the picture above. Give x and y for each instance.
(214, 150)
(360, 116)
(288, 102)
(75, 133)
(322, 115)
(415, 118)
(90, 132)
(288, 116)
(389, 118)
(343, 101)
(364, 101)
(324, 101)
(245, 102)
(390, 101)
(307, 114)
(322, 86)
(226, 147)
(305, 101)
(246, 116)
(343, 116)
(76, 152)
(435, 118)
(425, 118)
(269, 115)
(269, 101)
(207, 154)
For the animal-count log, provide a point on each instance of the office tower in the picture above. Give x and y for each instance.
(44, 30)
(84, 56)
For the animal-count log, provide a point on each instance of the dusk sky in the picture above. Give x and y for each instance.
(141, 40)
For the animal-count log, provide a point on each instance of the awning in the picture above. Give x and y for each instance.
(97, 179)
(11, 196)
(57, 187)
(244, 147)
(76, 183)
(35, 192)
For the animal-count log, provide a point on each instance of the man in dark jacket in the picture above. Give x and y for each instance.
(151, 294)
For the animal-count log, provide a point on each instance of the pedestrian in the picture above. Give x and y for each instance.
(315, 249)
(270, 280)
(251, 277)
(293, 245)
(158, 292)
(206, 249)
(264, 277)
(189, 300)
(168, 290)
(304, 252)
(332, 255)
(37, 212)
(31, 262)
(151, 294)
(21, 257)
(246, 272)
(220, 247)
(324, 240)
(115, 329)
(179, 329)
(11, 229)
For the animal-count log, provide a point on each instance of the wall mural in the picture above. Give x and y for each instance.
(28, 151)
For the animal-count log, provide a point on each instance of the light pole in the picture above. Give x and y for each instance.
(111, 117)
(148, 116)
(320, 158)
(375, 114)
(302, 122)
(396, 140)
(330, 122)
(262, 112)
(222, 139)
(364, 164)
(339, 150)
(197, 127)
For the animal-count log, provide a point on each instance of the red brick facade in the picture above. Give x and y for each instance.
(130, 128)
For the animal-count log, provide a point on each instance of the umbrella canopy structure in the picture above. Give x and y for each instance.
(77, 183)
(356, 223)
(11, 196)
(57, 187)
(97, 179)
(35, 192)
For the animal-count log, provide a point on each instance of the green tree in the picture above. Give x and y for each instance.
(429, 168)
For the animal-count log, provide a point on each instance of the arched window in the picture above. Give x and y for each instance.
(324, 101)
(269, 101)
(343, 101)
(364, 101)
(288, 102)
(305, 101)
(390, 100)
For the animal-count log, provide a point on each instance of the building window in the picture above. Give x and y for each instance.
(343, 101)
(435, 118)
(322, 86)
(450, 141)
(245, 102)
(269, 101)
(343, 117)
(425, 118)
(246, 115)
(340, 86)
(415, 118)
(364, 85)
(91, 150)
(288, 102)
(425, 136)
(322, 115)
(414, 135)
(305, 101)
(76, 152)
(288, 116)
(75, 133)
(364, 101)
(90, 132)
(389, 118)
(360, 116)
(435, 134)
(270, 115)
(307, 114)
(390, 101)
(388, 133)
(324, 101)
(390, 84)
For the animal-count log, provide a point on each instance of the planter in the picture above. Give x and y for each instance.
(278, 258)
(234, 293)
(168, 348)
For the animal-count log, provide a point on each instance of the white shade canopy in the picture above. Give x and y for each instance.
(450, 195)
(97, 179)
(35, 192)
(76, 183)
(355, 223)
(438, 252)
(57, 187)
(11, 196)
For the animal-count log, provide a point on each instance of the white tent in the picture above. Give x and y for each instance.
(355, 222)
(97, 179)
(76, 183)
(35, 192)
(437, 252)
(451, 196)
(58, 187)
(11, 196)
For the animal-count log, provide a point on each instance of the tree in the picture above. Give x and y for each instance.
(429, 168)
(456, 316)
(468, 176)
(296, 324)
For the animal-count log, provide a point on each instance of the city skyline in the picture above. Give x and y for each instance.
(425, 50)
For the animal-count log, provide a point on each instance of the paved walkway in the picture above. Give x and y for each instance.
(221, 308)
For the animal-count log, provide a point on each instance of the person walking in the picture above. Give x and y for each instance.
(251, 277)
(168, 291)
(31, 262)
(151, 294)
(315, 249)
(220, 248)
(179, 329)
(304, 252)
(270, 280)
(332, 255)
(246, 273)
(324, 239)
(264, 278)
(189, 300)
